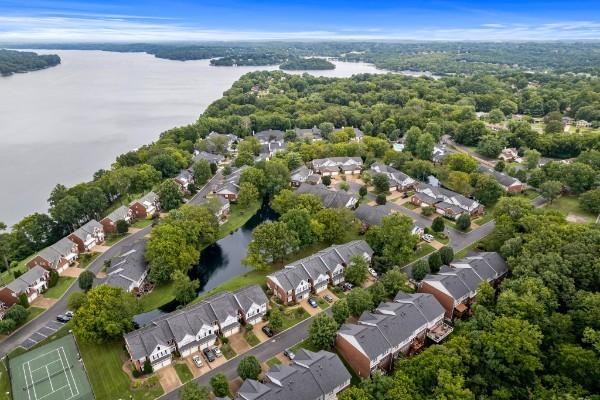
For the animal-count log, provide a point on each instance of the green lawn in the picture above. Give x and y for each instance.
(160, 295)
(227, 351)
(4, 379)
(442, 238)
(56, 292)
(423, 250)
(570, 205)
(183, 372)
(273, 361)
(293, 316)
(322, 303)
(103, 363)
(141, 223)
(463, 253)
(237, 217)
(305, 344)
(485, 219)
(409, 205)
(114, 238)
(33, 312)
(86, 259)
(251, 339)
(8, 276)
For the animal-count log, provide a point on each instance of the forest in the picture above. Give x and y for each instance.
(313, 63)
(441, 58)
(12, 62)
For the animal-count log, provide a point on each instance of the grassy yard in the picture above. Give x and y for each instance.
(56, 292)
(183, 372)
(237, 217)
(86, 259)
(442, 238)
(273, 361)
(322, 303)
(570, 205)
(409, 205)
(463, 253)
(4, 379)
(251, 338)
(305, 344)
(8, 276)
(103, 363)
(160, 295)
(33, 312)
(293, 316)
(141, 223)
(423, 250)
(114, 238)
(227, 351)
(485, 219)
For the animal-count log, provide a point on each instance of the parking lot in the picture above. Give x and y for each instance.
(41, 334)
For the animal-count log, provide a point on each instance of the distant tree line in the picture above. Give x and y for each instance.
(12, 61)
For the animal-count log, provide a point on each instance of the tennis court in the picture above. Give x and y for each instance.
(51, 372)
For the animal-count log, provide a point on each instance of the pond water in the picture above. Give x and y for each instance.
(219, 262)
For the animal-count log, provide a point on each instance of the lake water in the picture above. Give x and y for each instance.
(62, 124)
(219, 262)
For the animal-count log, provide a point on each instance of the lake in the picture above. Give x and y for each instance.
(62, 124)
(219, 262)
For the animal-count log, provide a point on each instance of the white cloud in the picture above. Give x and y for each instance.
(124, 28)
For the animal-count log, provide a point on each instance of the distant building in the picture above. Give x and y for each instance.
(129, 270)
(333, 166)
(145, 206)
(109, 223)
(87, 236)
(330, 198)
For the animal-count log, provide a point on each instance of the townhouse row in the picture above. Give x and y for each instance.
(313, 274)
(406, 325)
(194, 328)
(310, 376)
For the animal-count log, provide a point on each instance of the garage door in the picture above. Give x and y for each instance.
(231, 331)
(161, 364)
(189, 351)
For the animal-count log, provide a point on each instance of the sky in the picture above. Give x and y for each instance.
(55, 21)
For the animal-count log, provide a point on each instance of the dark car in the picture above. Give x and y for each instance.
(289, 354)
(210, 356)
(62, 318)
(267, 331)
(312, 303)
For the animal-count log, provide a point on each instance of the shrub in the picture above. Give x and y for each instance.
(463, 222)
(435, 262)
(135, 373)
(147, 367)
(326, 180)
(447, 254)
(224, 340)
(249, 368)
(53, 278)
(17, 273)
(362, 191)
(381, 199)
(17, 313)
(7, 326)
(427, 211)
(420, 269)
(86, 280)
(438, 224)
(122, 227)
(23, 300)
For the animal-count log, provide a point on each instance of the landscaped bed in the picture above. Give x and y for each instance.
(183, 372)
(273, 361)
(86, 259)
(251, 338)
(293, 316)
(227, 351)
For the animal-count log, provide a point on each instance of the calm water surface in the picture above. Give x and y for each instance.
(62, 124)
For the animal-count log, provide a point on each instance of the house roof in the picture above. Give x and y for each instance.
(371, 215)
(427, 304)
(503, 179)
(270, 135)
(371, 340)
(357, 132)
(149, 197)
(143, 341)
(305, 133)
(128, 267)
(249, 295)
(23, 282)
(119, 214)
(87, 229)
(290, 278)
(330, 198)
(223, 305)
(300, 174)
(185, 174)
(453, 285)
(395, 176)
(310, 376)
(336, 162)
(446, 195)
(210, 157)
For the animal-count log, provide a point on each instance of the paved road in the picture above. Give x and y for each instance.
(263, 352)
(45, 324)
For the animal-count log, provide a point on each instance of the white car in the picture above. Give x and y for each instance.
(428, 238)
(197, 361)
(373, 272)
(217, 351)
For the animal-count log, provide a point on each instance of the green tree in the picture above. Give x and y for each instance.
(334, 224)
(277, 177)
(192, 391)
(298, 221)
(201, 172)
(378, 292)
(380, 199)
(393, 238)
(326, 180)
(185, 289)
(359, 300)
(52, 278)
(500, 165)
(461, 162)
(459, 182)
(362, 192)
(220, 385)
(490, 146)
(271, 241)
(122, 227)
(340, 311)
(533, 158)
(247, 195)
(451, 386)
(357, 270)
(170, 195)
(393, 281)
(86, 280)
(420, 269)
(17, 313)
(438, 224)
(590, 201)
(275, 319)
(249, 368)
(76, 300)
(322, 331)
(168, 251)
(411, 139)
(463, 222)
(447, 255)
(354, 393)
(23, 300)
(550, 190)
(487, 190)
(424, 148)
(435, 262)
(107, 315)
(381, 183)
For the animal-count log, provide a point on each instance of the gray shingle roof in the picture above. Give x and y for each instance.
(453, 284)
(250, 295)
(87, 229)
(211, 158)
(503, 179)
(128, 267)
(371, 340)
(118, 214)
(149, 197)
(300, 174)
(430, 308)
(223, 305)
(371, 215)
(330, 198)
(23, 282)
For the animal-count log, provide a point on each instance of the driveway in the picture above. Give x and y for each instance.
(167, 376)
(238, 343)
(43, 302)
(309, 309)
(257, 330)
(196, 372)
(72, 272)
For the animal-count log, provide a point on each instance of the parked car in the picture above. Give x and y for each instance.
(267, 331)
(428, 238)
(217, 351)
(197, 361)
(208, 353)
(373, 272)
(70, 314)
(346, 286)
(312, 303)
(62, 318)
(328, 298)
(289, 354)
